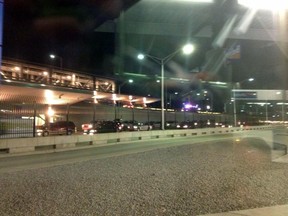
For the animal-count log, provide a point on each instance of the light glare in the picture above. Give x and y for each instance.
(188, 49)
(141, 56)
(192, 1)
(198, 1)
(50, 111)
(265, 4)
(17, 68)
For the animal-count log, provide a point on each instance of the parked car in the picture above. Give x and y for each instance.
(57, 128)
(187, 125)
(171, 125)
(223, 124)
(90, 125)
(102, 127)
(130, 126)
(156, 125)
(145, 126)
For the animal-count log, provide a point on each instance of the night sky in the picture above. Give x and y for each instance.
(33, 29)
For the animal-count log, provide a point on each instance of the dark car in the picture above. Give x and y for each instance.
(171, 125)
(57, 128)
(187, 125)
(101, 127)
(131, 126)
(156, 125)
(87, 126)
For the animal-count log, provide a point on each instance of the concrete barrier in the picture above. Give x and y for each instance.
(60, 143)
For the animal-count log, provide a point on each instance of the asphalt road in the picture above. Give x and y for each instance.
(16, 163)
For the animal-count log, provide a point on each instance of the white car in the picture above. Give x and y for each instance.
(145, 126)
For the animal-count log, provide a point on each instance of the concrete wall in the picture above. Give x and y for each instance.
(60, 143)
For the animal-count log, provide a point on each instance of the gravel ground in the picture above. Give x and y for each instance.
(186, 180)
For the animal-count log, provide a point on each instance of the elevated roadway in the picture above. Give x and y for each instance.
(30, 83)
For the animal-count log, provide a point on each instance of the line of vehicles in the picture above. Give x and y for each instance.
(102, 126)
(93, 127)
(118, 125)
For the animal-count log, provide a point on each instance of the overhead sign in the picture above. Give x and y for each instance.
(245, 95)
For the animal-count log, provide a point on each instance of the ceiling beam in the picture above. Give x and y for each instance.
(165, 29)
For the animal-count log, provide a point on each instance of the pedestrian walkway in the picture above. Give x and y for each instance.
(283, 159)
(280, 210)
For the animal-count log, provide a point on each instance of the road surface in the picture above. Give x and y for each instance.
(179, 176)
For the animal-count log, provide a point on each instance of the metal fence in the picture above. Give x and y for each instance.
(16, 121)
(21, 120)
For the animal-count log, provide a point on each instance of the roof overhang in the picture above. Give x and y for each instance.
(22, 93)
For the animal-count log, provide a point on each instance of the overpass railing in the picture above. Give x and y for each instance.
(31, 73)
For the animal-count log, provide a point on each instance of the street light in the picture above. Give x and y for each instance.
(120, 86)
(119, 91)
(52, 56)
(187, 49)
(170, 99)
(237, 84)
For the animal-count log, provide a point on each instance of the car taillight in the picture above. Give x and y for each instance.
(87, 126)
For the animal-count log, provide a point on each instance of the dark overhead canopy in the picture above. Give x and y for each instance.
(159, 27)
(185, 18)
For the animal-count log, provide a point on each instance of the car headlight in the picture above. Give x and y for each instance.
(39, 132)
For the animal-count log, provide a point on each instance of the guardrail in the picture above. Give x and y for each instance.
(61, 143)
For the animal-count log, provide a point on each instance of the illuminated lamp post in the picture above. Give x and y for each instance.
(187, 49)
(52, 56)
(119, 92)
(120, 86)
